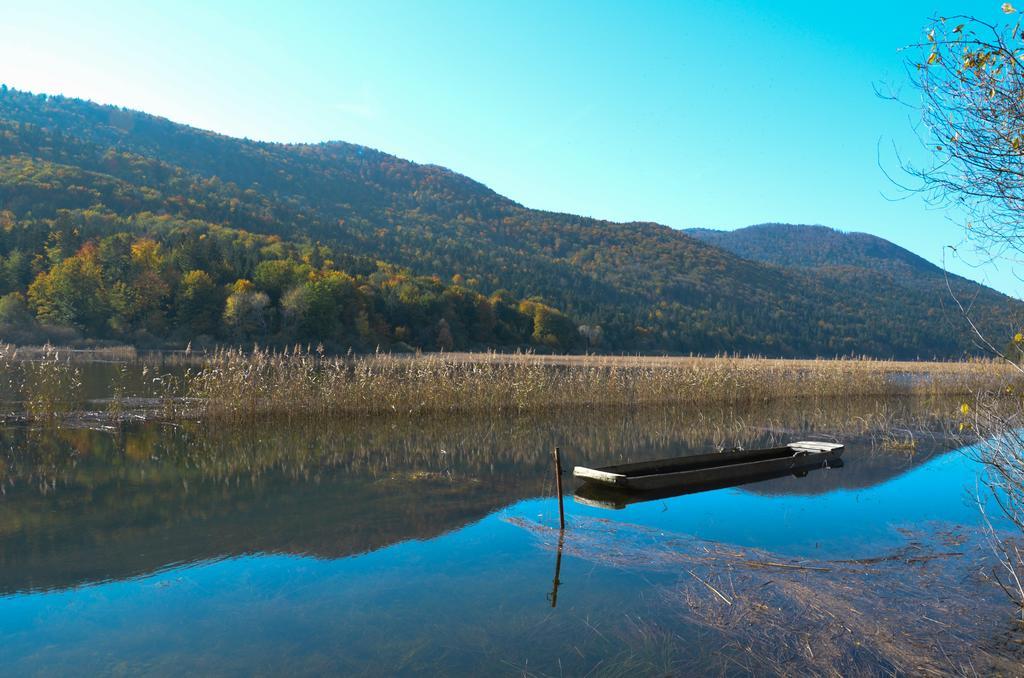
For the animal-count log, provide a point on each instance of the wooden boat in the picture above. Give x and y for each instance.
(611, 497)
(709, 469)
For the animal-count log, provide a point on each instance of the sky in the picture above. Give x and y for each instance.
(692, 114)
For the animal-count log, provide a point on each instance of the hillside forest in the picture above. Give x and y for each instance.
(117, 226)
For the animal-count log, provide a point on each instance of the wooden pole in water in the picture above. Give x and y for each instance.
(558, 484)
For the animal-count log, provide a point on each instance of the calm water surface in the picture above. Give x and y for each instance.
(416, 546)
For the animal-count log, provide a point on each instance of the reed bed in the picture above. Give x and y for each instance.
(232, 384)
(96, 354)
(236, 385)
(48, 385)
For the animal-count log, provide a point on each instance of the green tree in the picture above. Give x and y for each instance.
(553, 329)
(277, 276)
(72, 293)
(15, 271)
(320, 310)
(294, 310)
(14, 310)
(199, 305)
(245, 311)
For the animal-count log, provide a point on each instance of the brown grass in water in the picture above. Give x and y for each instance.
(236, 385)
(97, 354)
(926, 609)
(233, 384)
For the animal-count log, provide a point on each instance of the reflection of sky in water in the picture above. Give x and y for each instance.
(838, 523)
(469, 599)
(457, 603)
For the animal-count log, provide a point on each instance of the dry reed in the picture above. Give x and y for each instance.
(233, 384)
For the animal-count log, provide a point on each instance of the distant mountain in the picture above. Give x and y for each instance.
(858, 259)
(87, 172)
(816, 246)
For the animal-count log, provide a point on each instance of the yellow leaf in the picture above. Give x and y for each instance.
(933, 57)
(1008, 8)
(965, 408)
(1019, 337)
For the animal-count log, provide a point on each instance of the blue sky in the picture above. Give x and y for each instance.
(713, 114)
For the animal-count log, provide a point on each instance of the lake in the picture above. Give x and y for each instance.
(429, 545)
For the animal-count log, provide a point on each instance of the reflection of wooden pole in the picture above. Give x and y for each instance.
(558, 569)
(558, 484)
(561, 527)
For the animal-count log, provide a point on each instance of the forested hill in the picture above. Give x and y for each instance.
(816, 246)
(856, 258)
(179, 234)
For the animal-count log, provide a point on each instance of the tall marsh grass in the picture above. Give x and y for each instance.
(233, 384)
(48, 383)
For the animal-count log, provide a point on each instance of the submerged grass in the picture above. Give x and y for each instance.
(926, 609)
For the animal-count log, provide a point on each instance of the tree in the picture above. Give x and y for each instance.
(72, 293)
(970, 76)
(115, 256)
(320, 310)
(551, 328)
(277, 276)
(16, 271)
(971, 80)
(592, 333)
(199, 304)
(14, 310)
(150, 292)
(245, 310)
(445, 340)
(294, 311)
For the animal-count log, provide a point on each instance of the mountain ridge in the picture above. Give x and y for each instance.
(649, 287)
(821, 245)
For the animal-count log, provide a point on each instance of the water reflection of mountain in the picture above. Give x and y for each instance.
(83, 506)
(122, 530)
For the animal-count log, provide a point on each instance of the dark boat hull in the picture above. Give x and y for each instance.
(605, 496)
(709, 469)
